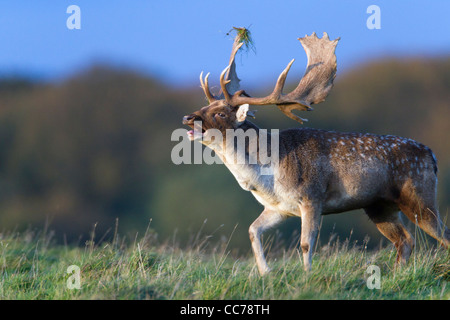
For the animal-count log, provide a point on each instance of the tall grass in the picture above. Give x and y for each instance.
(32, 266)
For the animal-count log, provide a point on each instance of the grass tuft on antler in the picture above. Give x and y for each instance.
(243, 35)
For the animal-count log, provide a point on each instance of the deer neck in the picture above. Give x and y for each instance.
(247, 154)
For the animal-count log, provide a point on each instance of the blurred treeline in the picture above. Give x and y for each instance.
(97, 147)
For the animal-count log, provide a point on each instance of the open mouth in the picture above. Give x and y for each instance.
(195, 123)
(195, 134)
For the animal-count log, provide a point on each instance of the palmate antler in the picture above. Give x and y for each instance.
(312, 88)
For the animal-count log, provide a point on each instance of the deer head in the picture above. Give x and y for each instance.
(229, 109)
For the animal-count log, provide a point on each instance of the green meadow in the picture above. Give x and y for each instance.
(33, 266)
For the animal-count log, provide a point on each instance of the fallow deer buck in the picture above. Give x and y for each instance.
(321, 172)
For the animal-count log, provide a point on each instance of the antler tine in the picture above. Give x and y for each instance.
(278, 90)
(223, 85)
(205, 87)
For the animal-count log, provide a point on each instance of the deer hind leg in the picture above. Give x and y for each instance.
(387, 220)
(425, 214)
(266, 220)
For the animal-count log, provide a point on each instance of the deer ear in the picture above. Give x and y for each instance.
(241, 113)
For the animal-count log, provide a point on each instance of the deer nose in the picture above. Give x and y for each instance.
(188, 118)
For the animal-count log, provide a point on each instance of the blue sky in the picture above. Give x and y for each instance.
(176, 40)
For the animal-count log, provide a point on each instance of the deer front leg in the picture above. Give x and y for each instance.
(266, 220)
(310, 215)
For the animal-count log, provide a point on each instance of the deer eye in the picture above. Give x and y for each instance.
(220, 114)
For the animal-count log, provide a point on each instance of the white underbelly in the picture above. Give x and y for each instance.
(282, 206)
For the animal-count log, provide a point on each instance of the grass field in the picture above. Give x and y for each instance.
(33, 267)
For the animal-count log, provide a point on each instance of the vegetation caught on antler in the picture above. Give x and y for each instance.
(243, 35)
